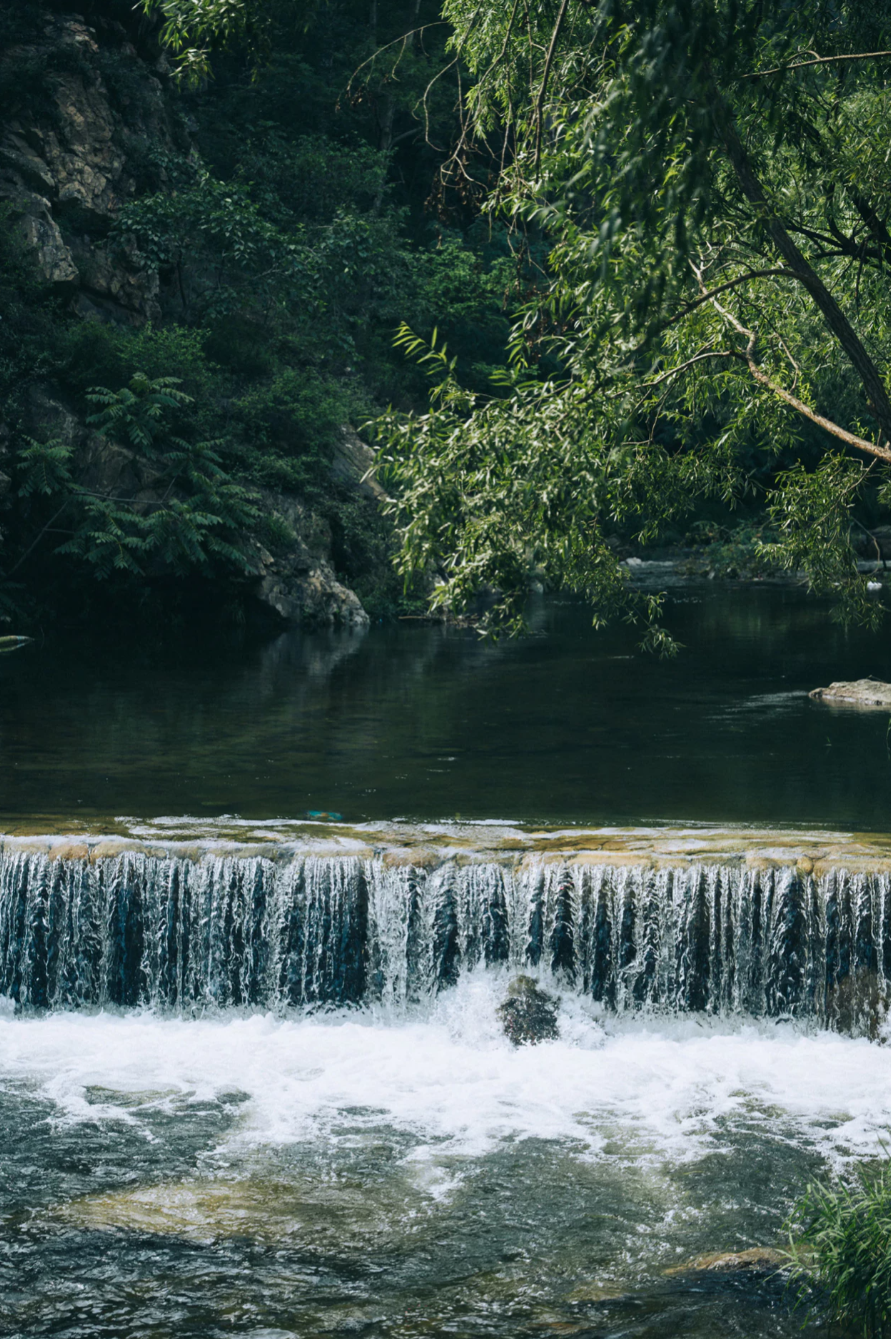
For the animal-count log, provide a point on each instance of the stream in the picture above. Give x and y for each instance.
(252, 1076)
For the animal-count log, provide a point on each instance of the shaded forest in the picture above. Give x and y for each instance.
(322, 312)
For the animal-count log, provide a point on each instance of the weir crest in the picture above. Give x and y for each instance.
(734, 923)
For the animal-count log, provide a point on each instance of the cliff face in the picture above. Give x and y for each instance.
(88, 123)
(70, 159)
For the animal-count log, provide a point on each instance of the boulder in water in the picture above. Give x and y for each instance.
(528, 1014)
(869, 693)
(756, 1260)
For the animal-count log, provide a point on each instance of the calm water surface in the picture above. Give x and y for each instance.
(568, 725)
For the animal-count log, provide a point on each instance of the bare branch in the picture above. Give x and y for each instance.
(818, 60)
(539, 102)
(439, 23)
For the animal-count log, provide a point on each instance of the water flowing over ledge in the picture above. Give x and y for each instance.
(185, 915)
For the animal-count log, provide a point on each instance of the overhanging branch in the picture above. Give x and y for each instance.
(818, 60)
(835, 429)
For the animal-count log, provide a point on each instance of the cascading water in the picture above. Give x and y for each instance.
(187, 934)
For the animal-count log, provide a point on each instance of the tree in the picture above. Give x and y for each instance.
(711, 177)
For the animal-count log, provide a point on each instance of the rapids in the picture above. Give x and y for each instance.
(403, 1172)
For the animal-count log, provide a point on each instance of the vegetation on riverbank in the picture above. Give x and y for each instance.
(840, 1251)
(292, 218)
(639, 268)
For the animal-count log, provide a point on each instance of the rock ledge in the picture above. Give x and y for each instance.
(869, 693)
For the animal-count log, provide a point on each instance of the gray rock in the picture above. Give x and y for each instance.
(41, 233)
(870, 694)
(353, 462)
(66, 174)
(528, 1014)
(299, 585)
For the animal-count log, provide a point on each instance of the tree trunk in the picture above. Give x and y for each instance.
(876, 393)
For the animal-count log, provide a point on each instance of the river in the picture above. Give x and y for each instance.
(252, 1080)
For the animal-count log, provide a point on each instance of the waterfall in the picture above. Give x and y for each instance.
(171, 932)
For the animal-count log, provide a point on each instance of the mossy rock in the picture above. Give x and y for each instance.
(528, 1014)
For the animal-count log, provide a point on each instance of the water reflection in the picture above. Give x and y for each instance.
(568, 725)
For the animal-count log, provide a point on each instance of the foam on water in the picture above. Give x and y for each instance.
(445, 1074)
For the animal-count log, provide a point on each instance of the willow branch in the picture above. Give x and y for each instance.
(877, 397)
(835, 429)
(850, 438)
(539, 102)
(818, 60)
(774, 273)
(438, 23)
(697, 358)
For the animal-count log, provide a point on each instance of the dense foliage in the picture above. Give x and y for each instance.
(304, 224)
(637, 256)
(714, 180)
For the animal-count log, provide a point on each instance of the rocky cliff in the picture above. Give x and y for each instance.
(91, 120)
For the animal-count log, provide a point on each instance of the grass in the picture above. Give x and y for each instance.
(840, 1250)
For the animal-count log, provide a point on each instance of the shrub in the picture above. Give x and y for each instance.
(840, 1250)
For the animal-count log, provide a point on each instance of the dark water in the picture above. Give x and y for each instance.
(568, 725)
(397, 1170)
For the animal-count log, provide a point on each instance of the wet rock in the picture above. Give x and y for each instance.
(596, 1292)
(871, 694)
(857, 1004)
(756, 1260)
(528, 1014)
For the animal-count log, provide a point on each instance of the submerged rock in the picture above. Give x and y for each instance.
(870, 693)
(756, 1260)
(528, 1014)
(857, 1004)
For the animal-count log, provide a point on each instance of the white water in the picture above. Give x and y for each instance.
(200, 934)
(447, 1076)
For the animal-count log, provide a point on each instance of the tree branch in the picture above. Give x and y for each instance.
(539, 102)
(849, 438)
(779, 273)
(818, 60)
(840, 327)
(698, 358)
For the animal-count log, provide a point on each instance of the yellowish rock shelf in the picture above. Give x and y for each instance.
(427, 845)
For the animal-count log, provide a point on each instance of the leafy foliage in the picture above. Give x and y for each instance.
(186, 512)
(288, 248)
(708, 174)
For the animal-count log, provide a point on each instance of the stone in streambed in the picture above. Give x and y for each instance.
(528, 1014)
(869, 693)
(756, 1260)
